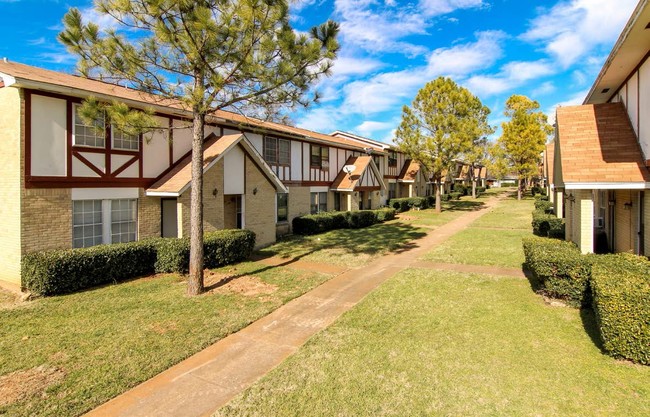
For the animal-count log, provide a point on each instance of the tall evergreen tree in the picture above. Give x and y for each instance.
(444, 122)
(522, 142)
(205, 55)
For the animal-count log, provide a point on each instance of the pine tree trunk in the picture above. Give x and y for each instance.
(195, 280)
(473, 187)
(438, 198)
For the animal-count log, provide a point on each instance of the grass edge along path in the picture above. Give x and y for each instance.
(209, 379)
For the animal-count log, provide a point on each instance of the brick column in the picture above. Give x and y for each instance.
(585, 205)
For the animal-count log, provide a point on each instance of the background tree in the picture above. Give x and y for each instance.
(477, 159)
(522, 141)
(444, 122)
(205, 55)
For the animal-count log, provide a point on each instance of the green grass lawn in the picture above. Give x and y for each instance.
(108, 339)
(430, 343)
(493, 239)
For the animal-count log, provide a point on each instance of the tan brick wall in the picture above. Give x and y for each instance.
(299, 203)
(11, 114)
(586, 208)
(259, 207)
(46, 219)
(375, 197)
(149, 216)
(212, 206)
(623, 225)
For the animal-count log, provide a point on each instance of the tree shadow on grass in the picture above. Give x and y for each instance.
(464, 205)
(394, 237)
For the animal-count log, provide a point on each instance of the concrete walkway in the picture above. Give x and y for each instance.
(201, 384)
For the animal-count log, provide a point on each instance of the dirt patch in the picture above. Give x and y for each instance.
(21, 384)
(163, 328)
(247, 285)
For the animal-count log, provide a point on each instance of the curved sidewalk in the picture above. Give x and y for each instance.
(201, 384)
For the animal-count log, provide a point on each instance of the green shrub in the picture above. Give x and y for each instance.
(312, 224)
(454, 196)
(547, 225)
(405, 204)
(543, 205)
(431, 200)
(65, 271)
(385, 214)
(508, 184)
(621, 300)
(480, 189)
(560, 268)
(541, 197)
(445, 197)
(462, 189)
(360, 219)
(221, 247)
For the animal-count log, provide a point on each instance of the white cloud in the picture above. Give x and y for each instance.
(465, 58)
(440, 7)
(545, 88)
(572, 28)
(382, 27)
(368, 127)
(511, 76)
(322, 119)
(384, 91)
(348, 65)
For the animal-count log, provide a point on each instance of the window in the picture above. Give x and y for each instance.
(318, 202)
(320, 157)
(283, 207)
(125, 141)
(123, 218)
(87, 223)
(95, 222)
(88, 135)
(392, 158)
(277, 151)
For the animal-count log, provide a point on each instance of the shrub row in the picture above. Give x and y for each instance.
(621, 291)
(560, 268)
(405, 204)
(322, 222)
(538, 190)
(65, 271)
(617, 287)
(546, 224)
(543, 205)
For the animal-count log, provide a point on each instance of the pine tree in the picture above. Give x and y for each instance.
(205, 55)
(444, 122)
(522, 142)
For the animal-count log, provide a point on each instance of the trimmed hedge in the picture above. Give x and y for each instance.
(65, 271)
(221, 247)
(547, 225)
(405, 204)
(322, 222)
(621, 300)
(460, 188)
(560, 268)
(454, 196)
(543, 205)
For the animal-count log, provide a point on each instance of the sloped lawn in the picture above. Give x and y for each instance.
(80, 350)
(437, 343)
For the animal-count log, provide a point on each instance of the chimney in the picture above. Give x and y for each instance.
(5, 60)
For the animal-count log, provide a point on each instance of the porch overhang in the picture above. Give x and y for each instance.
(365, 176)
(606, 185)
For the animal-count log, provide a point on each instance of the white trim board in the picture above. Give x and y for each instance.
(606, 185)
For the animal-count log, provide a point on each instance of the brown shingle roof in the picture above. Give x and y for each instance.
(178, 179)
(86, 85)
(345, 181)
(409, 171)
(597, 144)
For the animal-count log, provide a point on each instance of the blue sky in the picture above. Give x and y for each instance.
(550, 51)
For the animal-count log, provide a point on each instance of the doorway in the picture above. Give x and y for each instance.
(233, 211)
(169, 221)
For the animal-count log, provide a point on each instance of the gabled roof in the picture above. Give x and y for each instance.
(20, 75)
(409, 171)
(178, 179)
(373, 143)
(598, 148)
(363, 167)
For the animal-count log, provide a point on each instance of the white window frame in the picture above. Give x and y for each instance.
(107, 221)
(115, 130)
(75, 107)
